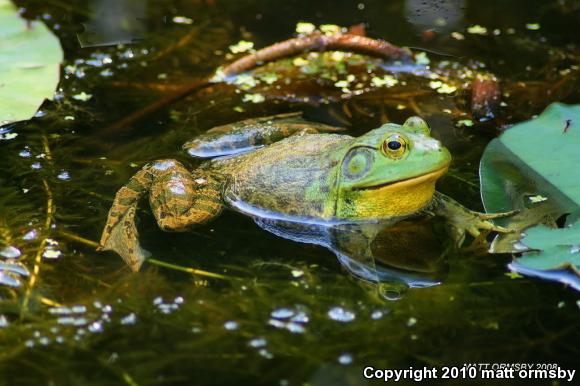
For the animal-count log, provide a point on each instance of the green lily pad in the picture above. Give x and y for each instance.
(535, 158)
(558, 248)
(30, 57)
(533, 167)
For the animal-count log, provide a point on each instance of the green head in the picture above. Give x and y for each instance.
(390, 171)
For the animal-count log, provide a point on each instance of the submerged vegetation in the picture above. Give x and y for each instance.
(229, 302)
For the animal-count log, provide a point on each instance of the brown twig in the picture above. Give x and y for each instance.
(317, 42)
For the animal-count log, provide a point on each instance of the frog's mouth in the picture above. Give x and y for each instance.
(411, 181)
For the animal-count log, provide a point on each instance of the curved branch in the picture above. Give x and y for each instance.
(318, 42)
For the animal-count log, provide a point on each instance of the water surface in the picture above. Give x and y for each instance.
(284, 313)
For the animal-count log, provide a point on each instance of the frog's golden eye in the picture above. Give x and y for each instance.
(395, 146)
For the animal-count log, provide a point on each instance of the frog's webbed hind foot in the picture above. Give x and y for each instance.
(178, 200)
(239, 137)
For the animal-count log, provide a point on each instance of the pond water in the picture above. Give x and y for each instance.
(274, 312)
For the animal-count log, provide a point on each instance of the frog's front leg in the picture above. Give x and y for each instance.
(178, 200)
(463, 220)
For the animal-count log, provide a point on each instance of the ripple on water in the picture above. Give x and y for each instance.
(289, 319)
(9, 280)
(341, 314)
(266, 354)
(63, 175)
(379, 314)
(231, 325)
(345, 359)
(295, 328)
(72, 321)
(290, 326)
(96, 327)
(167, 308)
(10, 252)
(282, 313)
(14, 268)
(25, 153)
(129, 319)
(30, 235)
(300, 317)
(63, 310)
(257, 342)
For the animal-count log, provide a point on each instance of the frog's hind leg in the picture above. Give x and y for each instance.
(252, 133)
(178, 200)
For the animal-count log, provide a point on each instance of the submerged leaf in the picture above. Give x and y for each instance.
(30, 57)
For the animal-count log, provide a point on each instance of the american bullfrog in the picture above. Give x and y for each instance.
(285, 169)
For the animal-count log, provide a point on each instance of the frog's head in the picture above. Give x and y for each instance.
(390, 171)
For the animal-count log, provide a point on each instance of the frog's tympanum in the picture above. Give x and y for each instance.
(299, 180)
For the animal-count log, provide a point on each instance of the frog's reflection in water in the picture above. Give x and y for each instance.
(393, 257)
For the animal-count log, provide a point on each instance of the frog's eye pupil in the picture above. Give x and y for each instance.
(394, 145)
